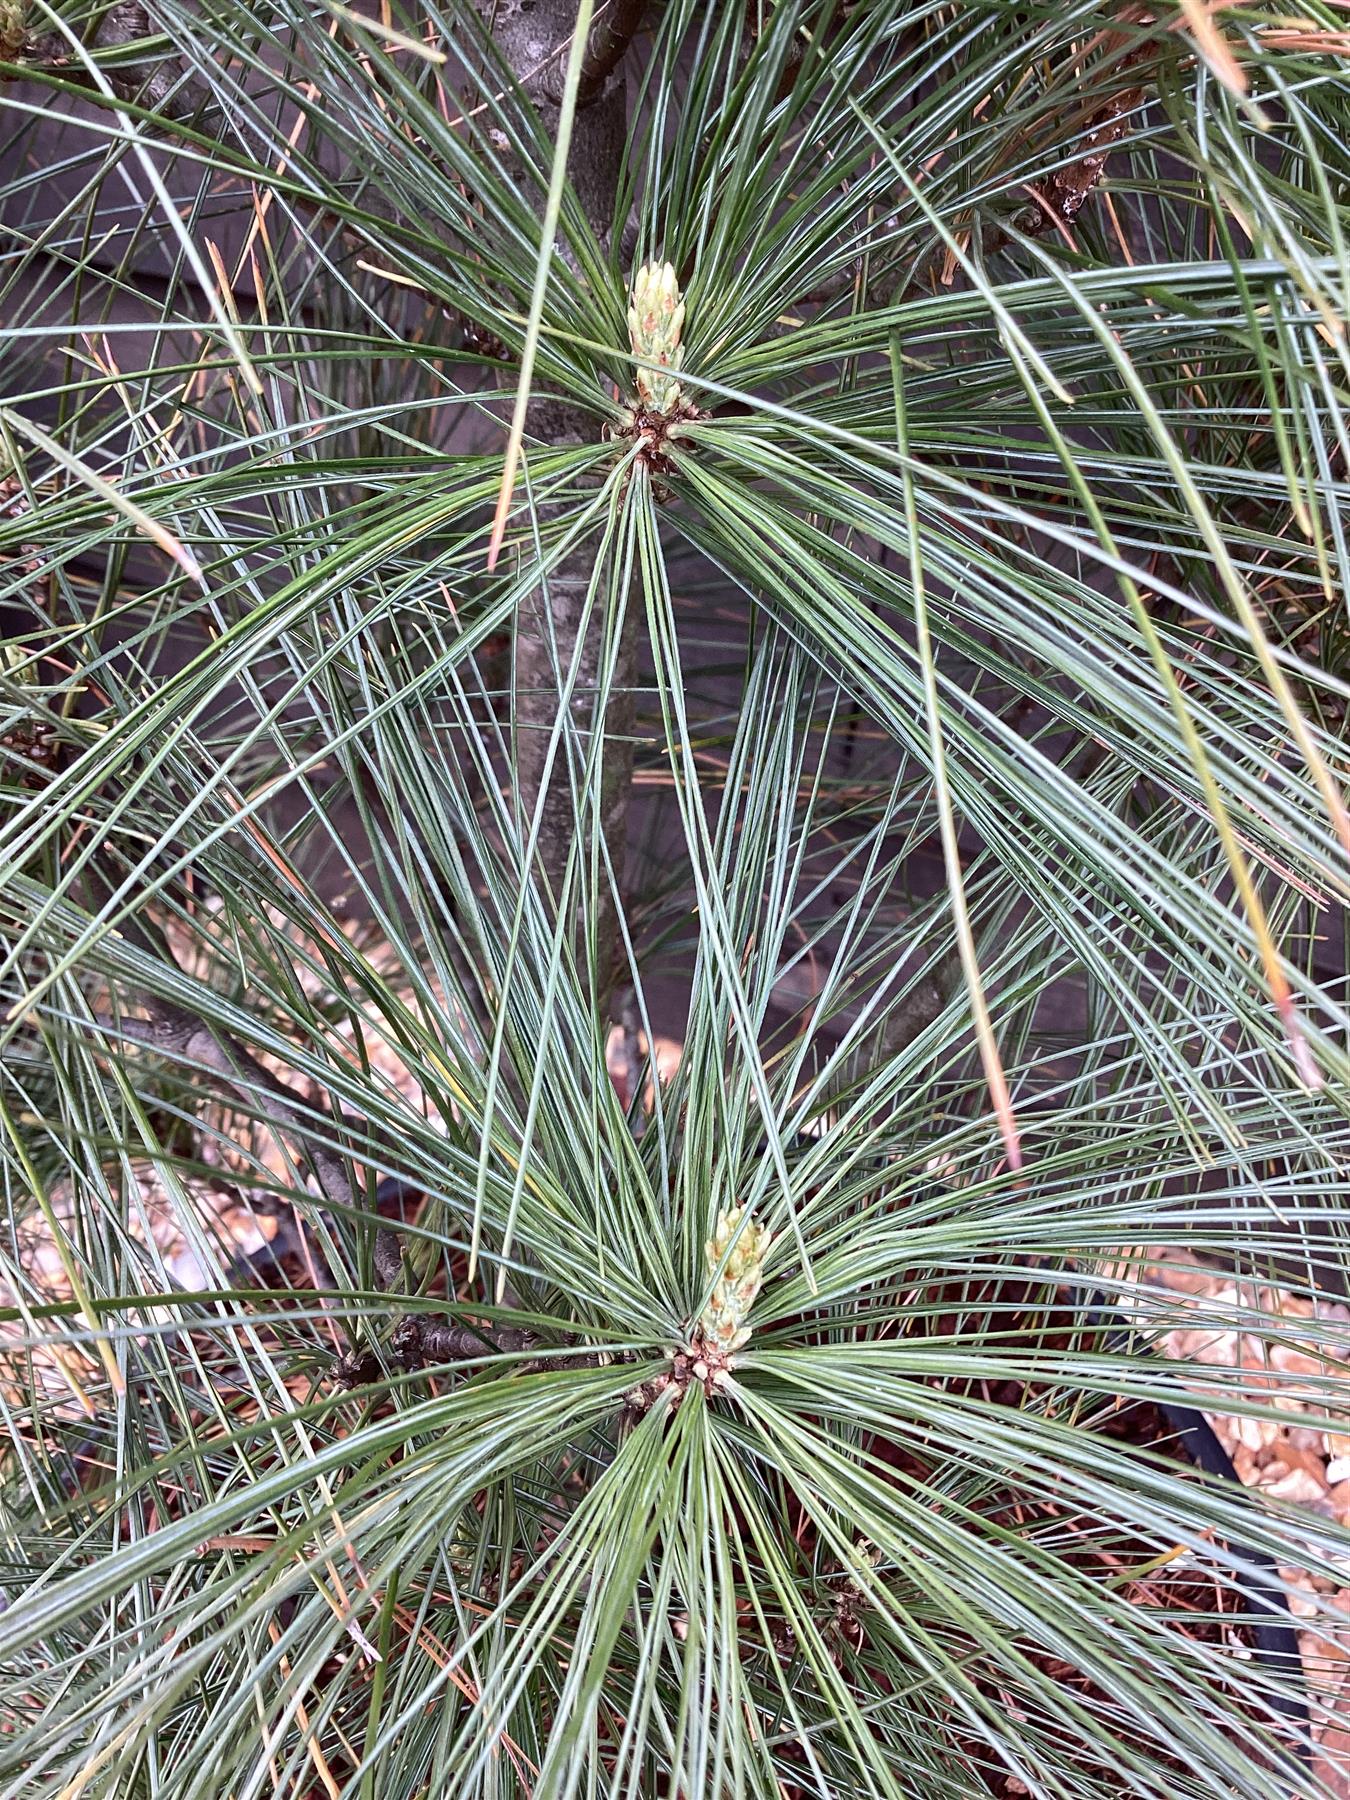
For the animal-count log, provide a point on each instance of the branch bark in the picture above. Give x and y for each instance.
(612, 31)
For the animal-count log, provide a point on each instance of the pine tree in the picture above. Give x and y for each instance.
(530, 531)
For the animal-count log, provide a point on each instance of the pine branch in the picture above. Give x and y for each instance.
(416, 1338)
(171, 1032)
(162, 84)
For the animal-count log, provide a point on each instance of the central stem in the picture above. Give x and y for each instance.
(552, 627)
